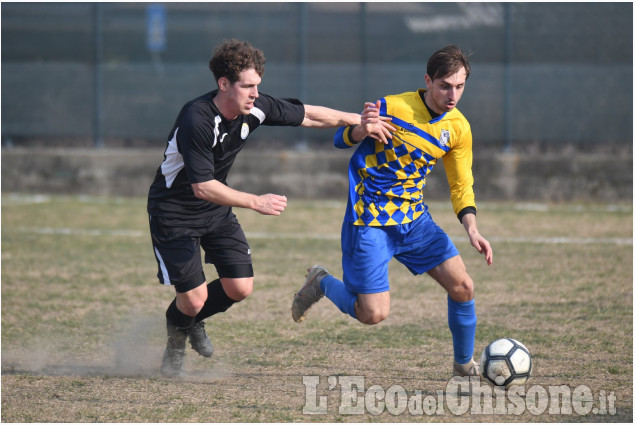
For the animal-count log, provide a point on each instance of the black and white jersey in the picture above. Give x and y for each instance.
(202, 146)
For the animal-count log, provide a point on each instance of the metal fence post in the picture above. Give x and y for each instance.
(364, 47)
(303, 35)
(97, 77)
(507, 114)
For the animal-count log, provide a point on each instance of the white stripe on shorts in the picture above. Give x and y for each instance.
(164, 270)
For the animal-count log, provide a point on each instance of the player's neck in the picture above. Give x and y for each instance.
(222, 107)
(433, 113)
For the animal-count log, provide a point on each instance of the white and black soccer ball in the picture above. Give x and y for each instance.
(506, 362)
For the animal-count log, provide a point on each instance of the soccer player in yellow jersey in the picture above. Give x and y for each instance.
(386, 216)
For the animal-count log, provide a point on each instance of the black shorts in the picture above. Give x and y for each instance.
(177, 250)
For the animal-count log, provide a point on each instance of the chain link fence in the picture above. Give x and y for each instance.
(116, 74)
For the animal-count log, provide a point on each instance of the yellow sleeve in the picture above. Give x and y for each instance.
(458, 168)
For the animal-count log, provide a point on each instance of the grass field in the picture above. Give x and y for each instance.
(83, 318)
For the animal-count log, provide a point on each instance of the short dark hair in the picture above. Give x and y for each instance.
(447, 61)
(234, 56)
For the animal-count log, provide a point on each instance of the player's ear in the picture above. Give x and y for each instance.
(428, 81)
(223, 83)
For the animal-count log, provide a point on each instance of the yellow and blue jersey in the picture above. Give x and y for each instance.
(386, 181)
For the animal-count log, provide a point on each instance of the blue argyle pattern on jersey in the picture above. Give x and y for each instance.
(390, 184)
(386, 181)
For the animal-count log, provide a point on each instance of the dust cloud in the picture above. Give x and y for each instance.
(133, 348)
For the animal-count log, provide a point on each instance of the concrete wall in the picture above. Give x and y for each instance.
(128, 172)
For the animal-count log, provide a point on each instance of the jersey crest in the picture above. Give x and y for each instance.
(444, 139)
(244, 131)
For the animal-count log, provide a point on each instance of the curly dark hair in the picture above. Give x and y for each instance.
(447, 61)
(234, 56)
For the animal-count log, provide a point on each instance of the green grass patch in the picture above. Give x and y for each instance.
(83, 314)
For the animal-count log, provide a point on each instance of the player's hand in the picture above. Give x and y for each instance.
(374, 125)
(482, 246)
(270, 204)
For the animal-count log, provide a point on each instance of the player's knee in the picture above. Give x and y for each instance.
(372, 316)
(240, 291)
(192, 307)
(463, 290)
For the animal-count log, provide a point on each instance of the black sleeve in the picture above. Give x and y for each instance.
(466, 210)
(193, 136)
(280, 112)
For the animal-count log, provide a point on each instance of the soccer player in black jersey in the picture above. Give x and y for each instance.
(190, 204)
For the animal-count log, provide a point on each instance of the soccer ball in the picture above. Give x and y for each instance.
(505, 362)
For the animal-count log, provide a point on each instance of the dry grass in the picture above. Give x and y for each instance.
(83, 331)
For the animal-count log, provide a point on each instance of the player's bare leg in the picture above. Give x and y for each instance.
(192, 301)
(452, 276)
(238, 288)
(372, 308)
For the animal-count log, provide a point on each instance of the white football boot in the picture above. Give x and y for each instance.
(469, 369)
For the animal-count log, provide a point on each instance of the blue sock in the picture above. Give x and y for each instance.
(462, 323)
(336, 291)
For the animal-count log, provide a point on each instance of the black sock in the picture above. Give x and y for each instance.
(217, 301)
(177, 318)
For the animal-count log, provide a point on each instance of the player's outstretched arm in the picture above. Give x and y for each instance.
(220, 194)
(479, 242)
(375, 126)
(323, 117)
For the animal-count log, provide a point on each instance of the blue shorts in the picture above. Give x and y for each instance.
(366, 251)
